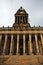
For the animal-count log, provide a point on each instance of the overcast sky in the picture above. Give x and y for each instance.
(9, 7)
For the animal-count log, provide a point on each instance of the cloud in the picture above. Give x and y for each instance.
(9, 7)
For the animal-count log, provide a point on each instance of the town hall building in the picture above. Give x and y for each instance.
(21, 41)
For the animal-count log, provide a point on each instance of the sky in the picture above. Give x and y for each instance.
(9, 7)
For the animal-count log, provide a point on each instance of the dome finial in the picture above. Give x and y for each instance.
(21, 7)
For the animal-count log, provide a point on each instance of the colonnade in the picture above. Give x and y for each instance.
(30, 47)
(20, 19)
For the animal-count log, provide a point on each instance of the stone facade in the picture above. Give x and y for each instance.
(21, 39)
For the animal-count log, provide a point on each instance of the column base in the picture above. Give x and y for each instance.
(30, 53)
(10, 53)
(38, 53)
(17, 53)
(24, 54)
(3, 54)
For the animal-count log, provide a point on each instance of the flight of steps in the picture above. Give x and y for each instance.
(24, 60)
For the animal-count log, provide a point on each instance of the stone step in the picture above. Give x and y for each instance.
(24, 60)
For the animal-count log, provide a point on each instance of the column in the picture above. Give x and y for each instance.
(5, 44)
(25, 19)
(40, 47)
(0, 43)
(42, 41)
(30, 45)
(0, 38)
(22, 19)
(17, 19)
(24, 44)
(17, 44)
(11, 44)
(37, 48)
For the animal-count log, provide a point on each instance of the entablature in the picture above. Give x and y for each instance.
(21, 28)
(22, 32)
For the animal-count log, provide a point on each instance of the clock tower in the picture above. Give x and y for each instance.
(21, 18)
